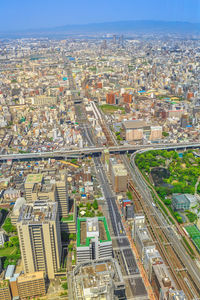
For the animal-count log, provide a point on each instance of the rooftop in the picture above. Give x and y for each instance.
(97, 277)
(134, 124)
(31, 277)
(34, 178)
(119, 170)
(38, 212)
(88, 228)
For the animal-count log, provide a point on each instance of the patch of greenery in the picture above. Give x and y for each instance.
(165, 134)
(109, 109)
(65, 285)
(129, 195)
(191, 216)
(8, 226)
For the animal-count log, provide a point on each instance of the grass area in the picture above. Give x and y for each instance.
(193, 231)
(67, 219)
(191, 217)
(194, 234)
(8, 251)
(110, 109)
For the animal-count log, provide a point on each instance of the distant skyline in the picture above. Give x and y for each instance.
(35, 14)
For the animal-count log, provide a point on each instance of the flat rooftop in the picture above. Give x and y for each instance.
(31, 276)
(97, 276)
(38, 212)
(119, 170)
(84, 235)
(134, 124)
(34, 178)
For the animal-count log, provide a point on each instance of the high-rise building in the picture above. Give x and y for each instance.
(118, 175)
(110, 98)
(127, 98)
(50, 188)
(39, 235)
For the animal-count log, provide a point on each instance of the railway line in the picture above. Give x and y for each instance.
(177, 268)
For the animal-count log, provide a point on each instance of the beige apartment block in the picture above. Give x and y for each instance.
(39, 235)
(31, 285)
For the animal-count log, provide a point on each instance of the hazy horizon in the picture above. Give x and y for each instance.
(23, 15)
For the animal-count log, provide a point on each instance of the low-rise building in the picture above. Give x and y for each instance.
(180, 202)
(31, 285)
(99, 279)
(162, 281)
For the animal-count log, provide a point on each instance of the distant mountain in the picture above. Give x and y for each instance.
(111, 27)
(132, 26)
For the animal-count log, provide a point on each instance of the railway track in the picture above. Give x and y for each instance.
(178, 270)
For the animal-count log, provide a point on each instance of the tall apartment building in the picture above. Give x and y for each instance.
(50, 188)
(39, 235)
(93, 239)
(118, 175)
(110, 98)
(127, 98)
(62, 195)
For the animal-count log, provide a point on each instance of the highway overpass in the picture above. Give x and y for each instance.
(91, 151)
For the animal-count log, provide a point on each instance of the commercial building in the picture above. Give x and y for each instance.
(43, 100)
(128, 209)
(39, 235)
(31, 285)
(93, 239)
(118, 174)
(141, 236)
(99, 279)
(156, 133)
(162, 281)
(180, 202)
(5, 290)
(133, 130)
(151, 257)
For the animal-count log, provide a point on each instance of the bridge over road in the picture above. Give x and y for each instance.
(96, 150)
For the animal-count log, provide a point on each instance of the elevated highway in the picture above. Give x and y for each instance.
(97, 150)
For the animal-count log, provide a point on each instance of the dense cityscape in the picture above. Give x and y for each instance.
(99, 167)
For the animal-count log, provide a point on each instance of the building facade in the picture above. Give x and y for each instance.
(39, 235)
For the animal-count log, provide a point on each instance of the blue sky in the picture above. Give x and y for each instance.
(25, 14)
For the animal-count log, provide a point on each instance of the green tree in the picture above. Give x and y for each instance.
(95, 204)
(8, 227)
(88, 205)
(70, 247)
